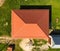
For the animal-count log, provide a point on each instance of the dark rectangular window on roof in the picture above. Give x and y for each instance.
(39, 7)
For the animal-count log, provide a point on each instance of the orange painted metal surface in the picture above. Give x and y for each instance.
(30, 24)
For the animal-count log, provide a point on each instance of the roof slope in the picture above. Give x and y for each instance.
(34, 18)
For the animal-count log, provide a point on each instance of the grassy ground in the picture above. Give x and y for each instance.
(17, 47)
(54, 50)
(5, 16)
(3, 47)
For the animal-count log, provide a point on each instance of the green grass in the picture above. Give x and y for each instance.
(53, 49)
(37, 42)
(3, 46)
(17, 47)
(5, 16)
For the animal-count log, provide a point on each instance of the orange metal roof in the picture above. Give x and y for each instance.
(30, 23)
